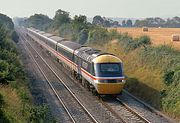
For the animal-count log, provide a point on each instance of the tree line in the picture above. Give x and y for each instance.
(77, 28)
(80, 30)
(10, 67)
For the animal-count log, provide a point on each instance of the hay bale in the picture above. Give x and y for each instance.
(145, 29)
(175, 37)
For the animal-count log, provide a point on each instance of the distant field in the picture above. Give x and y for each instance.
(158, 35)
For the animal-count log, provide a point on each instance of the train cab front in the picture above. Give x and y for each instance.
(109, 74)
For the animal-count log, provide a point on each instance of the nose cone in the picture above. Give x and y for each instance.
(109, 88)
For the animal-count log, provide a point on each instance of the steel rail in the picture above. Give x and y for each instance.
(55, 92)
(73, 95)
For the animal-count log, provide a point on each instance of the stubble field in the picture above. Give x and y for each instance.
(157, 35)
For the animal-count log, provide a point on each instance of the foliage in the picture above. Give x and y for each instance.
(83, 36)
(164, 56)
(113, 34)
(61, 17)
(143, 41)
(98, 34)
(79, 23)
(158, 22)
(129, 44)
(11, 71)
(77, 30)
(9, 61)
(67, 31)
(38, 113)
(105, 22)
(167, 59)
(15, 37)
(127, 23)
(38, 21)
(3, 118)
(4, 70)
(6, 21)
(168, 77)
(172, 76)
(171, 101)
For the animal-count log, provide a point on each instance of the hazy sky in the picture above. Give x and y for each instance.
(90, 8)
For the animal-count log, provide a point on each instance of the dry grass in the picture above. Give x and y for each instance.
(132, 65)
(149, 80)
(157, 35)
(13, 103)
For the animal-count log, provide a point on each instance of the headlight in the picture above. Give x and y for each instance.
(124, 81)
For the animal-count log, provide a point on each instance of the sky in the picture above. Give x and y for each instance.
(91, 8)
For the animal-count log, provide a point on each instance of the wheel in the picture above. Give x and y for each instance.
(114, 96)
(88, 86)
(84, 82)
(94, 92)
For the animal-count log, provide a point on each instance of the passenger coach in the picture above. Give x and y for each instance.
(98, 71)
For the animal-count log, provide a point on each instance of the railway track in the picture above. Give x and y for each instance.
(122, 111)
(131, 115)
(144, 109)
(69, 111)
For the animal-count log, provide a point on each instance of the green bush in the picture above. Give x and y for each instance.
(67, 31)
(98, 34)
(38, 113)
(166, 58)
(144, 40)
(172, 77)
(113, 34)
(163, 56)
(168, 77)
(129, 44)
(83, 36)
(4, 70)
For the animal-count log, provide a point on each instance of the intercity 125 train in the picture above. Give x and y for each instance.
(98, 71)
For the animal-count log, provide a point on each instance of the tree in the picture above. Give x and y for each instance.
(129, 23)
(98, 34)
(83, 36)
(81, 19)
(98, 20)
(123, 23)
(38, 21)
(61, 17)
(106, 23)
(6, 21)
(115, 24)
(79, 22)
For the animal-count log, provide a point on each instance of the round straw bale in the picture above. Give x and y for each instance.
(175, 37)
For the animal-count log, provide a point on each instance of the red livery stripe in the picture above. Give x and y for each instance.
(84, 71)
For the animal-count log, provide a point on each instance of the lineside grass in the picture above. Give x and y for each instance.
(153, 71)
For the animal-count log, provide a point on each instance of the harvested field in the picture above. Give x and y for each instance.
(157, 35)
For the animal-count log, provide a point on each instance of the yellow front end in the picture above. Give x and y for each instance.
(109, 88)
